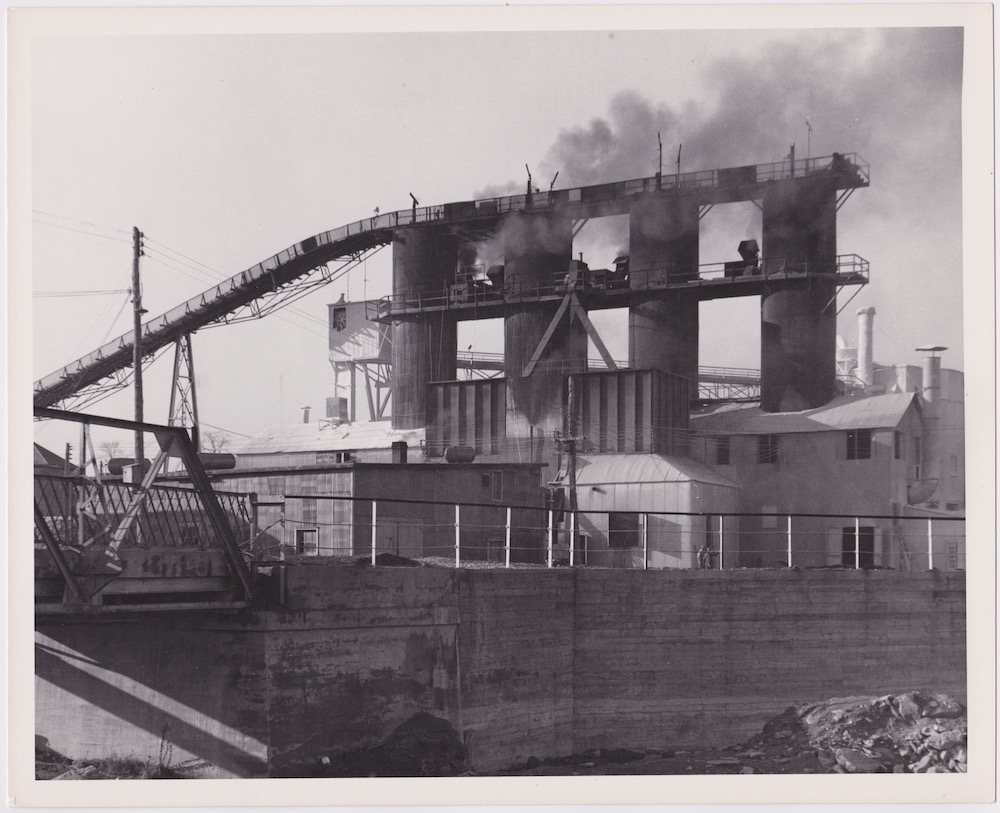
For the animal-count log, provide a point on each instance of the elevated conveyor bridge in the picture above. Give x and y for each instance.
(300, 268)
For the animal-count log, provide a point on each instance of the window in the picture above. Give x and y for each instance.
(307, 541)
(326, 458)
(864, 554)
(623, 530)
(496, 486)
(767, 448)
(897, 445)
(859, 444)
(722, 451)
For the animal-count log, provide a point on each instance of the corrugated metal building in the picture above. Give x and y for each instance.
(629, 486)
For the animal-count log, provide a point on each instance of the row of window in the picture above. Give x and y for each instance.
(859, 447)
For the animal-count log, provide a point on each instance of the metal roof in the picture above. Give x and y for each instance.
(844, 412)
(606, 469)
(320, 437)
(46, 458)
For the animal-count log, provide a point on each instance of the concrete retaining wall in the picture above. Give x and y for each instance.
(521, 662)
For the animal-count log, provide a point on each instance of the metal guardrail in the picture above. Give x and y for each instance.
(500, 535)
(844, 269)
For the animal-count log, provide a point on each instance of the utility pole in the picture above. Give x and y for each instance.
(659, 166)
(137, 313)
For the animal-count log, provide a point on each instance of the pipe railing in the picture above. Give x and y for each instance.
(498, 535)
(843, 269)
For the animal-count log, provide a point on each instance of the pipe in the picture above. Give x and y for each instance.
(866, 325)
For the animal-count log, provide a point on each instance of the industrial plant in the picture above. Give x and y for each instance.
(551, 459)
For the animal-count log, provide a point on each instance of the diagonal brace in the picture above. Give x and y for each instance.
(547, 336)
(580, 312)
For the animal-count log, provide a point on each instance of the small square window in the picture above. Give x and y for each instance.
(767, 448)
(859, 444)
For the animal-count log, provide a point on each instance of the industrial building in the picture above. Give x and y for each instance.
(821, 429)
(649, 457)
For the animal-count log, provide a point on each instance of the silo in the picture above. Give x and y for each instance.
(798, 341)
(537, 252)
(424, 259)
(663, 246)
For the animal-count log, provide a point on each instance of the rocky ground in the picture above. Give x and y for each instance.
(906, 733)
(913, 732)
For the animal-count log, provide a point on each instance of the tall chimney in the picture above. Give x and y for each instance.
(930, 395)
(305, 414)
(866, 324)
(930, 387)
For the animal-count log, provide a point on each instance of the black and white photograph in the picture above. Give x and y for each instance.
(503, 400)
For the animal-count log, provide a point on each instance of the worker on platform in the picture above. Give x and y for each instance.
(706, 555)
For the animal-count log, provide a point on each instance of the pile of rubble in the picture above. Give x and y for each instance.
(913, 732)
(905, 733)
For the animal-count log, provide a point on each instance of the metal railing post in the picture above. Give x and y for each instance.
(789, 540)
(506, 554)
(857, 543)
(551, 531)
(930, 544)
(645, 541)
(721, 522)
(458, 535)
(374, 526)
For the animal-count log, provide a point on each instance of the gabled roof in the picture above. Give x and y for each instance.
(605, 469)
(844, 412)
(318, 437)
(47, 459)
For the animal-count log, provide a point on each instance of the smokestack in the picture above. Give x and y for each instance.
(930, 387)
(305, 414)
(866, 324)
(930, 394)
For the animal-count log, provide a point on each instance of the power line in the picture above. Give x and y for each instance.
(81, 222)
(223, 429)
(81, 293)
(81, 231)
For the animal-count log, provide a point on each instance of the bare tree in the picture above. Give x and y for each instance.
(216, 441)
(110, 448)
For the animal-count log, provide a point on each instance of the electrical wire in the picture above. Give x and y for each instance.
(81, 231)
(40, 294)
(81, 222)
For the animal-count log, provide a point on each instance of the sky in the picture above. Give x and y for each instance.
(224, 150)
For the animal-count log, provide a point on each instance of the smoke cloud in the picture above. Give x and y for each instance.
(893, 96)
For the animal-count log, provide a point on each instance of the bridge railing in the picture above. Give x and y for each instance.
(88, 514)
(83, 512)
